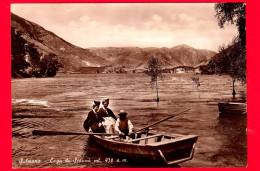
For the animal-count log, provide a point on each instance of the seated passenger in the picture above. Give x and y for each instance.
(93, 123)
(108, 116)
(104, 111)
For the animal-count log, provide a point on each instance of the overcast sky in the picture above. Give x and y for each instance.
(140, 25)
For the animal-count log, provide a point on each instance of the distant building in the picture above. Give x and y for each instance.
(91, 70)
(179, 70)
(197, 70)
(183, 69)
(167, 70)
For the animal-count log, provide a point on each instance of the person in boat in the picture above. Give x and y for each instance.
(104, 111)
(108, 116)
(123, 125)
(93, 123)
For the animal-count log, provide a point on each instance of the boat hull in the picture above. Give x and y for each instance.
(172, 151)
(232, 108)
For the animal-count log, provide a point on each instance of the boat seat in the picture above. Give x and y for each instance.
(111, 137)
(144, 138)
(168, 141)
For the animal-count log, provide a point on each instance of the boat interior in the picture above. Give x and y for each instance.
(143, 138)
(172, 149)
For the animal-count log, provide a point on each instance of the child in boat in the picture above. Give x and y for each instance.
(93, 123)
(123, 125)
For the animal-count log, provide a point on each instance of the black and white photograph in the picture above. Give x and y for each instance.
(128, 85)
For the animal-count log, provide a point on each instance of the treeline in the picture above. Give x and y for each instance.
(27, 61)
(231, 61)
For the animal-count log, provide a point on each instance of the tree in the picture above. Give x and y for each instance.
(17, 53)
(196, 81)
(25, 56)
(234, 13)
(49, 65)
(154, 71)
(27, 61)
(231, 59)
(34, 59)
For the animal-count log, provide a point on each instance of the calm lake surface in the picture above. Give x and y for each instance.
(62, 103)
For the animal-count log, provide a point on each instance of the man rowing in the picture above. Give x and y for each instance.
(123, 125)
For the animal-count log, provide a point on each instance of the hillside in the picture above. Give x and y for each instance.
(92, 60)
(70, 56)
(134, 57)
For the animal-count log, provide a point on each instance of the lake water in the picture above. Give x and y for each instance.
(62, 104)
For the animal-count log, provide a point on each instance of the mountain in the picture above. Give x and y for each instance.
(77, 59)
(134, 57)
(71, 57)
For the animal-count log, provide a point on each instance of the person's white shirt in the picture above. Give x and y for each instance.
(129, 123)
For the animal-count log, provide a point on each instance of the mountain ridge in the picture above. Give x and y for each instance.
(181, 55)
(71, 56)
(74, 58)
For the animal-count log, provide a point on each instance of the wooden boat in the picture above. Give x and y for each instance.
(143, 147)
(232, 108)
(151, 148)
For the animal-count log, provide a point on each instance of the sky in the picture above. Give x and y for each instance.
(130, 24)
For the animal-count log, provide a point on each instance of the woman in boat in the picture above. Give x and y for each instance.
(104, 111)
(108, 116)
(93, 123)
(123, 125)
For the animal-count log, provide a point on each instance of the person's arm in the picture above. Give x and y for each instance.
(111, 113)
(101, 113)
(130, 126)
(117, 127)
(88, 122)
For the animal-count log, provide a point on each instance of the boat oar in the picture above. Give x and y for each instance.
(147, 127)
(43, 133)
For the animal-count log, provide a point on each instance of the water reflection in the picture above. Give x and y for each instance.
(232, 131)
(62, 104)
(98, 157)
(101, 158)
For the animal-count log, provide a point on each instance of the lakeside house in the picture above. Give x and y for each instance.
(91, 70)
(179, 70)
(197, 70)
(110, 69)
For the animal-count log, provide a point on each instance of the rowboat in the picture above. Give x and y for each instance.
(143, 147)
(150, 148)
(232, 108)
